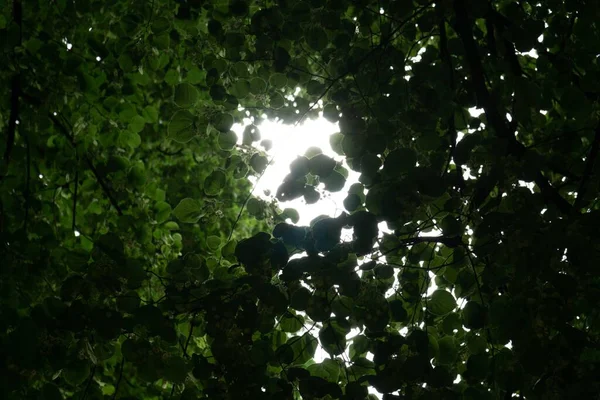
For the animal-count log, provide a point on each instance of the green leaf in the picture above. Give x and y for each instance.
(137, 174)
(327, 369)
(316, 38)
(227, 140)
(311, 196)
(172, 77)
(331, 113)
(259, 163)
(240, 70)
(278, 80)
(291, 323)
(228, 251)
(476, 344)
(188, 211)
(213, 242)
(400, 161)
(240, 89)
(441, 302)
(128, 302)
(397, 311)
(321, 165)
(254, 206)
(290, 213)
(335, 141)
(464, 147)
(303, 347)
(217, 93)
(137, 125)
(333, 339)
(224, 122)
(257, 85)
(162, 211)
(352, 202)
(185, 95)
(76, 373)
(126, 63)
(176, 369)
(451, 226)
(448, 351)
(276, 101)
(299, 299)
(182, 127)
(473, 315)
(215, 182)
(334, 182)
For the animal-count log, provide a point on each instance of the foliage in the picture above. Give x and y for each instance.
(131, 269)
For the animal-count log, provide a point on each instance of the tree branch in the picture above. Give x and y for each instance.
(89, 163)
(382, 45)
(63, 129)
(15, 92)
(498, 123)
(27, 182)
(452, 133)
(450, 241)
(189, 337)
(588, 170)
(75, 200)
(89, 382)
(119, 379)
(12, 119)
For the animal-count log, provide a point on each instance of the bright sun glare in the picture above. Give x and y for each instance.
(289, 142)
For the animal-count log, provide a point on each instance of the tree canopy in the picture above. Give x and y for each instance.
(137, 264)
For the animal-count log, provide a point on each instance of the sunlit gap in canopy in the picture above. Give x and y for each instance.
(290, 141)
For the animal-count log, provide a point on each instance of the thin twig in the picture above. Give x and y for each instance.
(15, 91)
(588, 170)
(89, 163)
(450, 241)
(119, 379)
(447, 60)
(89, 382)
(13, 118)
(75, 199)
(487, 329)
(367, 56)
(27, 181)
(246, 201)
(189, 337)
(63, 129)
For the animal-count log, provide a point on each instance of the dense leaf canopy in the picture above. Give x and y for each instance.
(136, 264)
